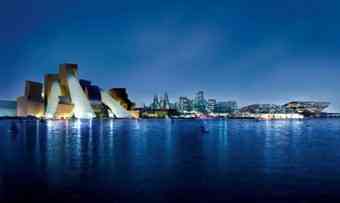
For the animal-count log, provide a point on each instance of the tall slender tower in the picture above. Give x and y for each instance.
(155, 104)
(166, 102)
(199, 102)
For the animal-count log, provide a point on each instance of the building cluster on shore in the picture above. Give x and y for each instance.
(199, 107)
(63, 96)
(187, 107)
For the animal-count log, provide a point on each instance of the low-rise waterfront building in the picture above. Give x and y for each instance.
(278, 116)
(262, 108)
(291, 110)
(212, 105)
(184, 104)
(226, 107)
(160, 113)
(199, 103)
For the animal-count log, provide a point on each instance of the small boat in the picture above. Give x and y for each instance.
(204, 130)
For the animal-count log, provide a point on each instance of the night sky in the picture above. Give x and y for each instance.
(250, 51)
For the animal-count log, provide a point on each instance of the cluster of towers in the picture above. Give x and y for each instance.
(197, 104)
(161, 102)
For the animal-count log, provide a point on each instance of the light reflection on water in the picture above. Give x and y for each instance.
(158, 157)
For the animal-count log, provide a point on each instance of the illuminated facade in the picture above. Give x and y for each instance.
(82, 106)
(52, 95)
(64, 96)
(31, 104)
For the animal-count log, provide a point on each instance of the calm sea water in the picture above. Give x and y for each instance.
(170, 161)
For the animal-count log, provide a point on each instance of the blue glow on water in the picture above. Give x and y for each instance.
(158, 160)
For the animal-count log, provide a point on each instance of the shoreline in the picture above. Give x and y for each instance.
(136, 119)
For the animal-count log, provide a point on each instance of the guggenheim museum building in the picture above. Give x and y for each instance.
(63, 95)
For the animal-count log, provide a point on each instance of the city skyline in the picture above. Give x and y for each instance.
(199, 103)
(261, 52)
(147, 99)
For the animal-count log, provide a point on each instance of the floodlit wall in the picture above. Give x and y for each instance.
(64, 111)
(53, 100)
(82, 106)
(27, 107)
(115, 107)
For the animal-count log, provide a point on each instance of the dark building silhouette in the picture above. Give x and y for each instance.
(92, 91)
(33, 91)
(120, 95)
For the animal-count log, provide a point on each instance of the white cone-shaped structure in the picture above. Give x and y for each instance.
(116, 108)
(53, 100)
(82, 106)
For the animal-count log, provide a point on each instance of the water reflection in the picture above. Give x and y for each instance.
(127, 157)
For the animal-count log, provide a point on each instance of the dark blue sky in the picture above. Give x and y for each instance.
(250, 51)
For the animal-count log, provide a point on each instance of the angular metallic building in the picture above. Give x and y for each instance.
(299, 107)
(64, 96)
(307, 107)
